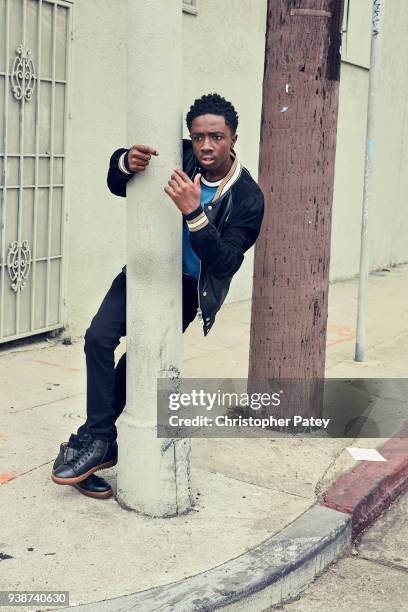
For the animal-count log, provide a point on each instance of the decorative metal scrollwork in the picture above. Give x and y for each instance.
(23, 74)
(18, 264)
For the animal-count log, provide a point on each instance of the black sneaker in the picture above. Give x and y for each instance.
(93, 486)
(65, 455)
(69, 450)
(98, 455)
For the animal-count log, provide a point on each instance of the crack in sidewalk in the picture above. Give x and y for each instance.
(60, 399)
(27, 472)
(255, 484)
(320, 485)
(383, 563)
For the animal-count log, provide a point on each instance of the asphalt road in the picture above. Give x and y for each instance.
(374, 578)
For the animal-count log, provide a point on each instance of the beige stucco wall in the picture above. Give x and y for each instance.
(389, 230)
(388, 207)
(349, 172)
(223, 49)
(223, 54)
(96, 241)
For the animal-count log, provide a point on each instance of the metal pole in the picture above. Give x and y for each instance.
(153, 474)
(378, 7)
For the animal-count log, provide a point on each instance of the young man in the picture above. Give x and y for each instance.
(222, 210)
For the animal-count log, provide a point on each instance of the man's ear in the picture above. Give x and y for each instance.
(234, 140)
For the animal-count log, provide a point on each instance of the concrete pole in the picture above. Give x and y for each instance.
(378, 8)
(153, 474)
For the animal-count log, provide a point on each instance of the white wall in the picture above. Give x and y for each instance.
(349, 172)
(96, 247)
(223, 51)
(223, 54)
(389, 230)
(388, 208)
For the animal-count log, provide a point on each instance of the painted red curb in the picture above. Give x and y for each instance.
(370, 487)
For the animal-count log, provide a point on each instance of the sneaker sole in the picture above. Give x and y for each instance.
(101, 495)
(76, 479)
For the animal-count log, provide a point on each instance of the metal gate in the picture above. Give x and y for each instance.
(34, 50)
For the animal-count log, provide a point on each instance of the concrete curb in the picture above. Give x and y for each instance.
(280, 568)
(369, 488)
(275, 571)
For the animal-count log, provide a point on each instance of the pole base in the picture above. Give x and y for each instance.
(359, 353)
(154, 474)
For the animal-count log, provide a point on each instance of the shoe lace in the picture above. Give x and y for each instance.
(83, 454)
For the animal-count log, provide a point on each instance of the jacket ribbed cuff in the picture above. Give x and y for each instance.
(196, 220)
(126, 162)
(123, 163)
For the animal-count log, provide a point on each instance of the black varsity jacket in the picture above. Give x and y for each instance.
(220, 235)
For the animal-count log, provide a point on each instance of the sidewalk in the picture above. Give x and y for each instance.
(246, 490)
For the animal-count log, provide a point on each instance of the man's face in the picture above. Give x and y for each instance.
(212, 142)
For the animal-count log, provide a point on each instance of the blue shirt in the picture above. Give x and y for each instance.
(191, 263)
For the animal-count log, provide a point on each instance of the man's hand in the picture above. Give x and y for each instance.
(183, 191)
(139, 156)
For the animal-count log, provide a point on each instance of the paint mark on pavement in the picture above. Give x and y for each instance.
(7, 476)
(55, 365)
(341, 333)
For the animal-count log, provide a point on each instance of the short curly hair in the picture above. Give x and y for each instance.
(213, 104)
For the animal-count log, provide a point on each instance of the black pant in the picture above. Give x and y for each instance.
(106, 384)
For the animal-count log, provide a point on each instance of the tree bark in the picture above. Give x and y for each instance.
(296, 174)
